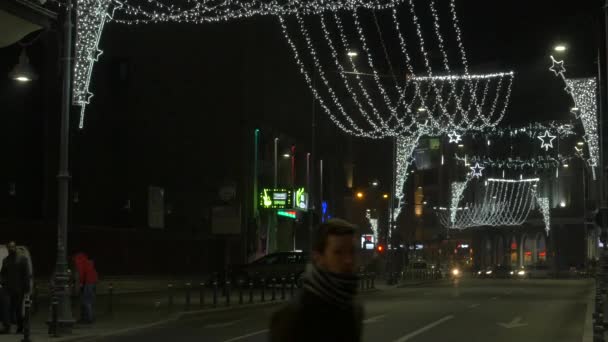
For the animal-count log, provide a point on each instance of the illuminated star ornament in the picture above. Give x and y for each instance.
(557, 67)
(454, 137)
(476, 170)
(547, 140)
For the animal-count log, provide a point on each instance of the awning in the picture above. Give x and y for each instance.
(19, 18)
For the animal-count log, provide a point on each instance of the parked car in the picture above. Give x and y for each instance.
(275, 265)
(484, 272)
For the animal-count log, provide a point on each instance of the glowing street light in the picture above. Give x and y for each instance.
(385, 196)
(352, 54)
(559, 48)
(359, 195)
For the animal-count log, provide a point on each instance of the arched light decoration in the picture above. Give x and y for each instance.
(583, 93)
(505, 202)
(405, 147)
(410, 96)
(92, 15)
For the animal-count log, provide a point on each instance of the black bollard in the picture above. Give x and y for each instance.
(214, 293)
(228, 293)
(26, 319)
(240, 291)
(170, 295)
(373, 279)
(292, 281)
(282, 288)
(110, 299)
(201, 295)
(250, 291)
(53, 328)
(188, 286)
(263, 288)
(274, 290)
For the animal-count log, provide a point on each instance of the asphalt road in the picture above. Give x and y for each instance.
(467, 310)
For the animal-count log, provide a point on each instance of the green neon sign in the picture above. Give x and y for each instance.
(288, 213)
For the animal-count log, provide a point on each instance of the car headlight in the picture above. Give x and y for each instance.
(511, 273)
(488, 272)
(478, 272)
(455, 271)
(521, 273)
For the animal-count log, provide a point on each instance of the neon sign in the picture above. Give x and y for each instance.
(276, 199)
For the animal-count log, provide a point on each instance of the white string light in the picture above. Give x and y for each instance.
(583, 93)
(506, 202)
(547, 140)
(455, 138)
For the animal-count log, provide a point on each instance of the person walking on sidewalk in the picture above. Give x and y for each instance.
(326, 309)
(15, 281)
(87, 276)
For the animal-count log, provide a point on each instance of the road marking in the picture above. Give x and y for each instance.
(515, 323)
(222, 325)
(473, 306)
(245, 336)
(373, 319)
(423, 329)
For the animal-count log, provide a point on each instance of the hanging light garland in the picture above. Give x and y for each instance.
(583, 93)
(506, 202)
(532, 130)
(412, 106)
(540, 162)
(405, 147)
(91, 16)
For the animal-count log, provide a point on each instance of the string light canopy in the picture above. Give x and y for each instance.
(384, 93)
(517, 163)
(583, 94)
(93, 15)
(504, 202)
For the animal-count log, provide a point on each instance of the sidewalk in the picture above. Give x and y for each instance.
(135, 311)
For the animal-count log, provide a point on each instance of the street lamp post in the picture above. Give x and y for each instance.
(61, 279)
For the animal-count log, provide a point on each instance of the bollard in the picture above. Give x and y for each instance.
(274, 290)
(228, 293)
(373, 279)
(201, 295)
(53, 327)
(170, 293)
(367, 282)
(26, 319)
(282, 288)
(214, 293)
(263, 288)
(241, 291)
(188, 286)
(110, 299)
(250, 291)
(292, 284)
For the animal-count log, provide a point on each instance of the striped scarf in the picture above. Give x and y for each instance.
(337, 289)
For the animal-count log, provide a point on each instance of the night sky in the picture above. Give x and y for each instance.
(174, 102)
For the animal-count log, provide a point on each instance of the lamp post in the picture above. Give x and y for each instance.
(61, 280)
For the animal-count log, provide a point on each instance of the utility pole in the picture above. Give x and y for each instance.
(61, 280)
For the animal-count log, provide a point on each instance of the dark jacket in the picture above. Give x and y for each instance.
(309, 318)
(15, 275)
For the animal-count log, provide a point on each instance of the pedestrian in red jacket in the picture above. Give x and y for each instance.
(88, 282)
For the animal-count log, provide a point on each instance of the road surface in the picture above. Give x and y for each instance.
(466, 310)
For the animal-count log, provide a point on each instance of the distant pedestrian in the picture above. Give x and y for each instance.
(326, 309)
(87, 276)
(15, 280)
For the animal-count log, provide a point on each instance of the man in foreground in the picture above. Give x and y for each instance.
(326, 309)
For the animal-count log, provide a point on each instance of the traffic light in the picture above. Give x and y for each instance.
(380, 248)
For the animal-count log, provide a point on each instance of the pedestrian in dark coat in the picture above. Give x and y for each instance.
(326, 309)
(15, 281)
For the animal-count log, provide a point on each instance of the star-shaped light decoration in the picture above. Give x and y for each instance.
(547, 140)
(557, 67)
(476, 170)
(454, 137)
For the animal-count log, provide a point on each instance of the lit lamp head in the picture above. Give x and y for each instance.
(23, 71)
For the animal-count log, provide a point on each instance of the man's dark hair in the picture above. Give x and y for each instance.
(337, 227)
